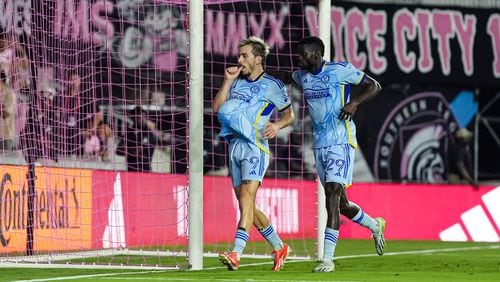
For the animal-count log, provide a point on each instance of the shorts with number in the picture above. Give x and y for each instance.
(246, 162)
(335, 164)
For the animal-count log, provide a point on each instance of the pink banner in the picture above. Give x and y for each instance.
(136, 209)
(289, 204)
(426, 212)
(132, 209)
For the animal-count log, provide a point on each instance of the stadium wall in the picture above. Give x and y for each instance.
(104, 209)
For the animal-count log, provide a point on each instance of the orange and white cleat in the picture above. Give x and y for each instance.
(280, 257)
(230, 259)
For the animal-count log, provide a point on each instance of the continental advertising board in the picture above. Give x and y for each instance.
(62, 209)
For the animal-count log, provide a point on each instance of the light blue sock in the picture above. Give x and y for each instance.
(272, 237)
(331, 237)
(240, 241)
(365, 220)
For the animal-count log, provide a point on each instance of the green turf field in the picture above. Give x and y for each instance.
(356, 261)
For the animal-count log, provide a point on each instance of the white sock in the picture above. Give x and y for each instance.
(331, 237)
(365, 220)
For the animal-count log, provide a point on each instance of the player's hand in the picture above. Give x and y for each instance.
(232, 73)
(348, 110)
(271, 131)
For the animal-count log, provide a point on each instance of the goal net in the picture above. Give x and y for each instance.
(95, 103)
(288, 193)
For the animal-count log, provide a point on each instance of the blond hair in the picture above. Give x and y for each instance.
(259, 46)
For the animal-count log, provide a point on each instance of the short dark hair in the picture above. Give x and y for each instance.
(314, 42)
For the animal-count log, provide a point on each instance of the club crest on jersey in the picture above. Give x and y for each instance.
(325, 78)
(254, 89)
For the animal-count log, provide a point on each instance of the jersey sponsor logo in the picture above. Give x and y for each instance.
(412, 143)
(240, 96)
(316, 93)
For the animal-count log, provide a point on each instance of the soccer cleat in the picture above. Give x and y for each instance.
(230, 259)
(280, 257)
(325, 266)
(378, 236)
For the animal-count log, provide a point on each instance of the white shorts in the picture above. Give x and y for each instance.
(335, 163)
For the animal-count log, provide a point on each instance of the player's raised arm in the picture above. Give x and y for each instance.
(230, 74)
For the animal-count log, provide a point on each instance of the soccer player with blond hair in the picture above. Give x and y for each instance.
(244, 104)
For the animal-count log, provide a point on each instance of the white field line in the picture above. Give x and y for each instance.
(376, 255)
(213, 279)
(109, 275)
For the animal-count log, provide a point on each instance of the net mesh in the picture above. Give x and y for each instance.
(281, 24)
(97, 152)
(98, 97)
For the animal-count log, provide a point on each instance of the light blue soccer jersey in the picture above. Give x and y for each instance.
(326, 93)
(249, 107)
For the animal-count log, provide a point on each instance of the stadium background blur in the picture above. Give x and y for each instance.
(438, 63)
